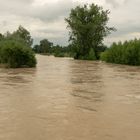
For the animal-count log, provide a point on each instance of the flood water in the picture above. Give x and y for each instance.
(66, 99)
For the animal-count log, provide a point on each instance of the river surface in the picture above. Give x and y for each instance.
(66, 99)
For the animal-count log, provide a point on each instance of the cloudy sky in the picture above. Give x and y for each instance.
(45, 18)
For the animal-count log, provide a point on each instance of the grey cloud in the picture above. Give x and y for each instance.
(16, 1)
(54, 31)
(46, 12)
(47, 20)
(4, 23)
(114, 3)
(62, 40)
(52, 11)
(126, 30)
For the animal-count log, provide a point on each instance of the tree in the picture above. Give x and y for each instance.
(88, 27)
(36, 48)
(22, 33)
(44, 47)
(15, 54)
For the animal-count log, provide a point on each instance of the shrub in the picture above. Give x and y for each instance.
(91, 55)
(59, 54)
(16, 54)
(123, 53)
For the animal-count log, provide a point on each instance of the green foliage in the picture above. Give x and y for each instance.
(1, 36)
(59, 51)
(91, 55)
(22, 34)
(15, 49)
(44, 47)
(123, 53)
(88, 27)
(15, 54)
(59, 55)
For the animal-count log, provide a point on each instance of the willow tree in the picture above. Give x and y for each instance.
(88, 27)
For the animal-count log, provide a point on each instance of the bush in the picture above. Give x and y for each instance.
(16, 54)
(123, 53)
(59, 54)
(89, 56)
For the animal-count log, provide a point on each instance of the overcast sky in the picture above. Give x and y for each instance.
(45, 18)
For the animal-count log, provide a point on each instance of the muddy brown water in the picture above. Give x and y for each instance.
(65, 99)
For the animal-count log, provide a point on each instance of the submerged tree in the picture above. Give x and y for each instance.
(15, 49)
(88, 27)
(15, 54)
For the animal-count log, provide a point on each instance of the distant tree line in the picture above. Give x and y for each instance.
(47, 47)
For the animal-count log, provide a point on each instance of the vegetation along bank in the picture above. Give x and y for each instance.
(87, 25)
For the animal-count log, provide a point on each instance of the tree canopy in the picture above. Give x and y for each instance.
(88, 27)
(22, 33)
(44, 46)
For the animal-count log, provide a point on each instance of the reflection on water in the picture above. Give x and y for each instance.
(65, 99)
(87, 84)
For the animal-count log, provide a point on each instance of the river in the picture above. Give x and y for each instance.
(66, 99)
